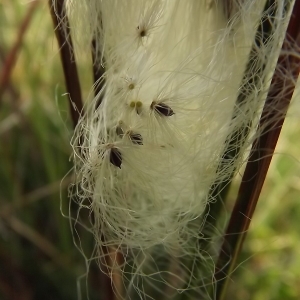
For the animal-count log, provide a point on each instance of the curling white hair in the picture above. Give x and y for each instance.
(147, 156)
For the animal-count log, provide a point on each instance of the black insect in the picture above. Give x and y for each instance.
(115, 157)
(136, 138)
(162, 109)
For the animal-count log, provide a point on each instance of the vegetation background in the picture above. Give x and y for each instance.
(38, 259)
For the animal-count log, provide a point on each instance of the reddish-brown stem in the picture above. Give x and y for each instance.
(73, 87)
(12, 55)
(273, 115)
(69, 64)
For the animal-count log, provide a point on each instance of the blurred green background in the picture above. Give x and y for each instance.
(38, 259)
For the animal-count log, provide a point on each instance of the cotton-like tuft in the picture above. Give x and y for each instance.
(147, 156)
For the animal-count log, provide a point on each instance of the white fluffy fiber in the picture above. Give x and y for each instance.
(145, 159)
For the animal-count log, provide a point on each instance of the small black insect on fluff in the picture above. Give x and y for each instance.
(162, 109)
(115, 157)
(136, 138)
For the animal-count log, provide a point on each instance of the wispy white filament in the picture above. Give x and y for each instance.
(145, 159)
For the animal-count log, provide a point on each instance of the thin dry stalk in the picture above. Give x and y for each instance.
(12, 55)
(273, 115)
(69, 64)
(31, 197)
(73, 87)
(38, 240)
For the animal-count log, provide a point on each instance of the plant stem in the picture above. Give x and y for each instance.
(69, 65)
(73, 87)
(12, 56)
(273, 115)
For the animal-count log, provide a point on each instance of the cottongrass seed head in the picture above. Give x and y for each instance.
(146, 157)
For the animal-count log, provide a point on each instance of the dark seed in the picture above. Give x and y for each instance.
(163, 109)
(142, 32)
(119, 131)
(136, 138)
(115, 157)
